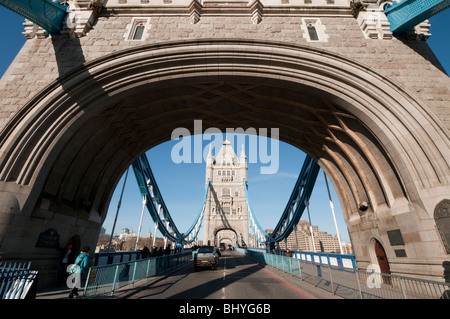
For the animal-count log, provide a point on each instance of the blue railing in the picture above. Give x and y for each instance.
(338, 260)
(17, 281)
(108, 258)
(286, 264)
(318, 270)
(106, 279)
(332, 259)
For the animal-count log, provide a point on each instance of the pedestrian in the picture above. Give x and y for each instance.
(288, 253)
(79, 268)
(160, 252)
(167, 250)
(146, 252)
(67, 257)
(154, 251)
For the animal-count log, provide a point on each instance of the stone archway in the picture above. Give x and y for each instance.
(235, 239)
(442, 218)
(62, 155)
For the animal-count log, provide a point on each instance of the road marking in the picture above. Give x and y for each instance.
(224, 267)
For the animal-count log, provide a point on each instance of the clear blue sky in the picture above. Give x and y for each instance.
(182, 185)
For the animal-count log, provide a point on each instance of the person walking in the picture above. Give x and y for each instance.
(288, 253)
(78, 269)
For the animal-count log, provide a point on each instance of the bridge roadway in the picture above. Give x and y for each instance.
(237, 277)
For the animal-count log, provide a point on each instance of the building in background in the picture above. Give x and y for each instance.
(323, 241)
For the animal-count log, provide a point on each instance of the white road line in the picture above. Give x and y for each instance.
(224, 267)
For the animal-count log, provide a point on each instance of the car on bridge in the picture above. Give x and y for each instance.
(206, 256)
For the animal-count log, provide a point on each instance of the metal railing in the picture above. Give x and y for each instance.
(17, 281)
(354, 283)
(106, 279)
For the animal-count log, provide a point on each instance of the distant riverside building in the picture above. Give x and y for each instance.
(323, 241)
(125, 233)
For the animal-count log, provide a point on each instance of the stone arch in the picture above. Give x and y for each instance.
(236, 239)
(67, 148)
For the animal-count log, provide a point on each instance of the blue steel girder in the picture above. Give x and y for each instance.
(47, 14)
(297, 202)
(145, 179)
(150, 191)
(191, 234)
(405, 15)
(258, 231)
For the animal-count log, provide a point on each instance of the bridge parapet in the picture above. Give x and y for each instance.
(106, 279)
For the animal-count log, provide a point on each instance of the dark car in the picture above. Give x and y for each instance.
(206, 257)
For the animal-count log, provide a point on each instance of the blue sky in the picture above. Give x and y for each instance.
(182, 185)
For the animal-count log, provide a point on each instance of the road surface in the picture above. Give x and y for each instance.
(237, 277)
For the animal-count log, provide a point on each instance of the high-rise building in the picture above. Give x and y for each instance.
(322, 241)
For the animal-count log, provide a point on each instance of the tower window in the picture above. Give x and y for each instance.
(312, 32)
(139, 32)
(136, 30)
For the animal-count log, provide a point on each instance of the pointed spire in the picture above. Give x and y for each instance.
(209, 158)
(243, 152)
(210, 151)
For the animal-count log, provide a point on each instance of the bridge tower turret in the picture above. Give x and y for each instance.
(226, 207)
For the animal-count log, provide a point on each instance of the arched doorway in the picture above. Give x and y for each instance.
(227, 235)
(382, 258)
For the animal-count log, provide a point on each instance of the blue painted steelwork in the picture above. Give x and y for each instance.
(108, 258)
(157, 207)
(338, 260)
(288, 265)
(16, 280)
(47, 14)
(405, 15)
(256, 228)
(106, 279)
(296, 204)
(192, 233)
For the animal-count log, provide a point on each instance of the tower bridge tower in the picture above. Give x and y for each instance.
(226, 207)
